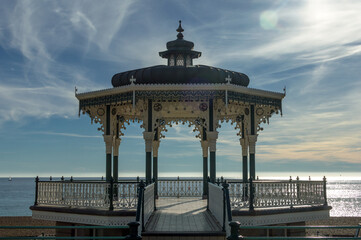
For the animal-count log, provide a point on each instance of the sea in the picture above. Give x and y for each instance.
(17, 195)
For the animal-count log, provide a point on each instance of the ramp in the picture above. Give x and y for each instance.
(183, 218)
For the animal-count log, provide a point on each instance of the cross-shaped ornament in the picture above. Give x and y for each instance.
(228, 79)
(132, 80)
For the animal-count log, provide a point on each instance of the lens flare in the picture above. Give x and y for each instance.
(268, 20)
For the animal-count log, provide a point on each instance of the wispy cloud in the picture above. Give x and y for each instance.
(65, 134)
(47, 48)
(45, 79)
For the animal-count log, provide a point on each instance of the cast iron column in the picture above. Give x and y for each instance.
(115, 159)
(204, 144)
(212, 139)
(252, 139)
(244, 145)
(148, 137)
(108, 139)
(155, 165)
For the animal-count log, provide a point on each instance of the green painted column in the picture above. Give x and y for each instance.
(108, 167)
(244, 169)
(252, 139)
(212, 166)
(115, 168)
(148, 167)
(108, 139)
(204, 144)
(148, 137)
(156, 144)
(252, 165)
(116, 144)
(244, 144)
(212, 140)
(155, 175)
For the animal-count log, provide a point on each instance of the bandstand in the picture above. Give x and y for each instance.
(204, 98)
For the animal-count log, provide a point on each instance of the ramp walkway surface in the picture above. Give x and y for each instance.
(183, 217)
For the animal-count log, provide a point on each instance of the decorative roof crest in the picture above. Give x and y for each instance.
(180, 30)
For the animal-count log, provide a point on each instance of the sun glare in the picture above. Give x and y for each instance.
(268, 20)
(319, 11)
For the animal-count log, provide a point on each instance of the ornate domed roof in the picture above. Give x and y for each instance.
(162, 74)
(180, 69)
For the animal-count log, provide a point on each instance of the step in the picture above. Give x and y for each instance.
(184, 235)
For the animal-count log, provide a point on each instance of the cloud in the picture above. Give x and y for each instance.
(65, 134)
(47, 48)
(42, 32)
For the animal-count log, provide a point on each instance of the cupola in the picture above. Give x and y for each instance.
(180, 52)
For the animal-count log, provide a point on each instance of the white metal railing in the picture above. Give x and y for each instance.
(258, 194)
(87, 194)
(146, 205)
(219, 205)
(277, 194)
(238, 193)
(216, 201)
(180, 188)
(148, 202)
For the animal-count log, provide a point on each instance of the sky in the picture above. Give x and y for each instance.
(313, 48)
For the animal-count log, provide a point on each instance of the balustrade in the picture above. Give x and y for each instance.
(148, 202)
(180, 188)
(258, 194)
(277, 193)
(87, 194)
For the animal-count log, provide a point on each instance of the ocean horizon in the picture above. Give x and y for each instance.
(343, 190)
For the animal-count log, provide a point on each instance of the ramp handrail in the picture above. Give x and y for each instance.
(146, 204)
(219, 204)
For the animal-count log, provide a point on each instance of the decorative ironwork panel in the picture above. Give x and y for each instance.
(125, 195)
(276, 194)
(87, 194)
(180, 60)
(246, 98)
(180, 188)
(109, 99)
(202, 95)
(239, 194)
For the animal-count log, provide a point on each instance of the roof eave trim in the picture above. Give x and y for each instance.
(179, 87)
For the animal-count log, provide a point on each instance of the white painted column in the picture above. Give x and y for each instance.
(212, 141)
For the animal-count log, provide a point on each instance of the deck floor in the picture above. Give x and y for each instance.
(182, 215)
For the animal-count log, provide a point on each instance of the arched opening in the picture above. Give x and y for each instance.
(180, 153)
(131, 152)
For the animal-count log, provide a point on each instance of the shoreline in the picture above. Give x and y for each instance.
(28, 221)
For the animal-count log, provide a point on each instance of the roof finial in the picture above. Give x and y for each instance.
(180, 30)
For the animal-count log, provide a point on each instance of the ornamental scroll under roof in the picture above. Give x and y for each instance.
(180, 105)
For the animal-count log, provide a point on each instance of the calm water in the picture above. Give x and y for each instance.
(17, 195)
